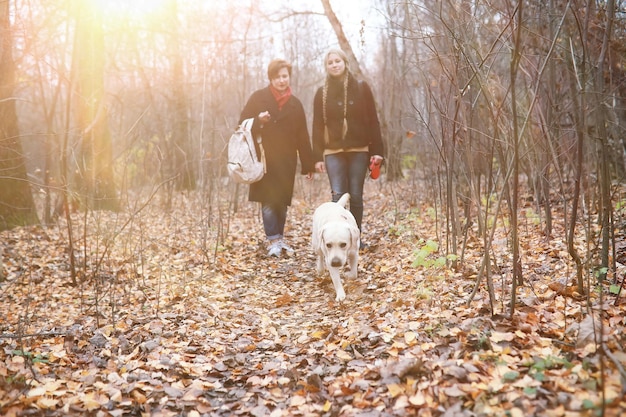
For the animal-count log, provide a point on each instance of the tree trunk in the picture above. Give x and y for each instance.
(96, 170)
(344, 44)
(604, 157)
(515, 60)
(17, 207)
(184, 162)
(579, 102)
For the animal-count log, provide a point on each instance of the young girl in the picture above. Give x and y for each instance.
(346, 132)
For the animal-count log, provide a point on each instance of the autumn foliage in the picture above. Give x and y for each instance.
(164, 322)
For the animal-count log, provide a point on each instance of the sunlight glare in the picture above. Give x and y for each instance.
(130, 9)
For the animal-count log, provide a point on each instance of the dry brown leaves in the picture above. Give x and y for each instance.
(164, 323)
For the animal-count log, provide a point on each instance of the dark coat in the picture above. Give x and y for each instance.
(285, 137)
(361, 115)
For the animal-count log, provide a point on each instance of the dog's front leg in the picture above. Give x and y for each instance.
(319, 262)
(353, 260)
(334, 275)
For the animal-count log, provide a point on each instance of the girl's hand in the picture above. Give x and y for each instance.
(377, 159)
(320, 166)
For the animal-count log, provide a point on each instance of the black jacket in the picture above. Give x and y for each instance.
(285, 137)
(363, 124)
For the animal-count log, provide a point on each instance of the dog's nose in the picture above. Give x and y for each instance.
(335, 262)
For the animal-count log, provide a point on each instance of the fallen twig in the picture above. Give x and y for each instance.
(19, 336)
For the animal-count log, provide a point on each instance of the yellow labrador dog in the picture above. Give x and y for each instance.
(335, 242)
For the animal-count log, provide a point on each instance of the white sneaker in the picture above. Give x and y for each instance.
(275, 248)
(286, 247)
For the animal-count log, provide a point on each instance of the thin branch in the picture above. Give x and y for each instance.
(40, 334)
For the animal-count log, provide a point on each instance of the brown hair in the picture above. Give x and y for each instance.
(275, 66)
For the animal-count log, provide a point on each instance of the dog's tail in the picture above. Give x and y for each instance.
(344, 200)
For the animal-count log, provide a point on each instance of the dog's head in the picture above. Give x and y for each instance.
(336, 240)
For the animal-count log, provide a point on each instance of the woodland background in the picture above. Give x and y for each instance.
(132, 274)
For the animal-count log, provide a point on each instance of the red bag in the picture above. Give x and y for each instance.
(375, 169)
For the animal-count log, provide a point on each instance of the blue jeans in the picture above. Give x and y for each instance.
(274, 217)
(346, 173)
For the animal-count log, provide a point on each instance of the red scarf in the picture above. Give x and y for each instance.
(281, 98)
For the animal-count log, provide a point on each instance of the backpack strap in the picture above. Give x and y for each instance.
(247, 125)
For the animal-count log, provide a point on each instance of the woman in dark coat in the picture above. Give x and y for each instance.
(346, 132)
(280, 120)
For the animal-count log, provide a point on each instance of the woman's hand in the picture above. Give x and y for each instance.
(320, 166)
(264, 117)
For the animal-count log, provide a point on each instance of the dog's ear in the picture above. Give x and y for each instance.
(354, 234)
(320, 238)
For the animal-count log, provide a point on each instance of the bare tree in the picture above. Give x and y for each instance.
(181, 150)
(516, 36)
(398, 58)
(601, 121)
(96, 165)
(17, 207)
(578, 88)
(342, 39)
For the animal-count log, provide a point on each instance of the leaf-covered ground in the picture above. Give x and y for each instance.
(163, 323)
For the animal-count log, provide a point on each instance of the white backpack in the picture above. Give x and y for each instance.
(243, 164)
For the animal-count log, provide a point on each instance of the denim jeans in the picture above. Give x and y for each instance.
(346, 173)
(274, 217)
